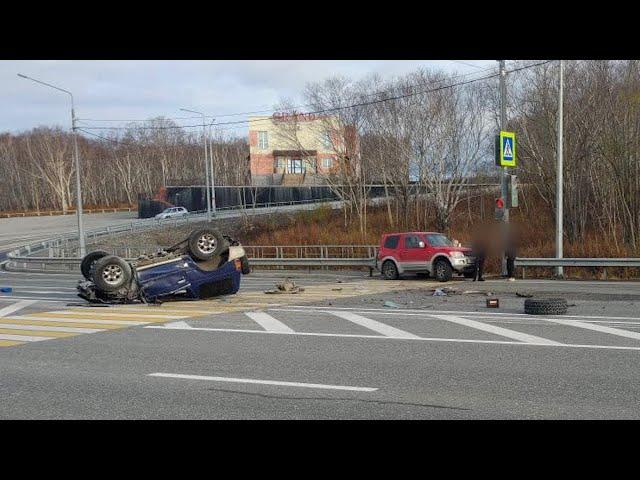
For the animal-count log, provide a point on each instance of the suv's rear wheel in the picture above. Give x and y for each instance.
(111, 273)
(389, 270)
(206, 244)
(442, 270)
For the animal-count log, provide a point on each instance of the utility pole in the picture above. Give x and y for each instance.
(559, 176)
(206, 163)
(503, 125)
(81, 239)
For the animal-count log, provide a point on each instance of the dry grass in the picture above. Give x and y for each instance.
(325, 226)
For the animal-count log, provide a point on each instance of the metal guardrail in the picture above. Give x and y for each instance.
(577, 262)
(319, 256)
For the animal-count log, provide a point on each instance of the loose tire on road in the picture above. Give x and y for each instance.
(442, 270)
(89, 261)
(545, 306)
(206, 244)
(111, 273)
(389, 270)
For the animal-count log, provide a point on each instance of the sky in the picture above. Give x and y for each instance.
(131, 89)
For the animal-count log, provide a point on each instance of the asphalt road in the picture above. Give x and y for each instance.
(332, 351)
(18, 231)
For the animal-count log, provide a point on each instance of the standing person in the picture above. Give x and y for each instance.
(510, 252)
(480, 253)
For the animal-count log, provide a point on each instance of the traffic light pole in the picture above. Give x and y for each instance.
(503, 176)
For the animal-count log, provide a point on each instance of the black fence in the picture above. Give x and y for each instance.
(194, 198)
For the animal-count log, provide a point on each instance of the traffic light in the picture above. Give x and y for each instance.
(499, 210)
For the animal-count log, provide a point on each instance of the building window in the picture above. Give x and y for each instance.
(280, 164)
(263, 140)
(327, 162)
(294, 165)
(326, 140)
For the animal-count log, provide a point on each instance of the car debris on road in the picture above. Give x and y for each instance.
(287, 286)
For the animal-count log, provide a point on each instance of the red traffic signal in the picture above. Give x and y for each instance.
(499, 203)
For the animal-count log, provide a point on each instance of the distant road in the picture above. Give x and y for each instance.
(15, 232)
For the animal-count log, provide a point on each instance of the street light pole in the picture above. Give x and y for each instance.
(211, 169)
(81, 237)
(206, 163)
(559, 173)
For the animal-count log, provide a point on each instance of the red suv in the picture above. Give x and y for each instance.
(423, 252)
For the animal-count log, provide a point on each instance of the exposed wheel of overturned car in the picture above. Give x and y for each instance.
(244, 262)
(89, 262)
(111, 273)
(205, 244)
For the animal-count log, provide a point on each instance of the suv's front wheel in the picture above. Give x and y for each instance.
(442, 270)
(389, 270)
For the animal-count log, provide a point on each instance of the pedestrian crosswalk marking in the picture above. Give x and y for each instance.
(47, 328)
(70, 322)
(269, 323)
(20, 339)
(47, 325)
(379, 327)
(49, 333)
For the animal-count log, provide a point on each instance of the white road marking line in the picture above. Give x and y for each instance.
(597, 328)
(23, 338)
(269, 323)
(51, 329)
(503, 332)
(455, 312)
(382, 328)
(424, 339)
(75, 320)
(41, 292)
(38, 299)
(181, 325)
(264, 382)
(15, 307)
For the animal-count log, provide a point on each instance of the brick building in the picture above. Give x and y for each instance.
(299, 149)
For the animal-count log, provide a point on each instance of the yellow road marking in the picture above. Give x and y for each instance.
(10, 343)
(47, 323)
(37, 333)
(88, 317)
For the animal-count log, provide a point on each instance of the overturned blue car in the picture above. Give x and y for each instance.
(204, 265)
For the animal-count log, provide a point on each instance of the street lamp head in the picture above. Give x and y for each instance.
(23, 76)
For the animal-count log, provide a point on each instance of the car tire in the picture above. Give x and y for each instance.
(89, 261)
(206, 244)
(246, 268)
(546, 306)
(442, 270)
(112, 273)
(390, 270)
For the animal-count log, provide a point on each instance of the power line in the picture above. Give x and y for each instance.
(340, 108)
(274, 110)
(465, 63)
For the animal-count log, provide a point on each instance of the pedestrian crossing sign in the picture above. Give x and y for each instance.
(506, 149)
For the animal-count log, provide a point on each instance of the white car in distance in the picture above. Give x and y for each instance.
(172, 212)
